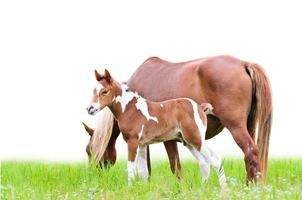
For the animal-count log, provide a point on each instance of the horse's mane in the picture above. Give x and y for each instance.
(102, 134)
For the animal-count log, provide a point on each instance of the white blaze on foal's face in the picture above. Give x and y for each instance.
(98, 88)
(102, 93)
(94, 105)
(98, 100)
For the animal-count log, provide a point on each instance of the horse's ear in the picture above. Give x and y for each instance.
(107, 76)
(97, 75)
(88, 129)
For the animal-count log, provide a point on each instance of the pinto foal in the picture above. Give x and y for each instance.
(143, 122)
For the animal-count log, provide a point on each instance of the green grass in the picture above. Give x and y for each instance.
(44, 180)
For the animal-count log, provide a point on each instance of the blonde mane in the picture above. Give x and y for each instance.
(102, 134)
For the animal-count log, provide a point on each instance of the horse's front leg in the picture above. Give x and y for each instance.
(172, 151)
(141, 162)
(132, 151)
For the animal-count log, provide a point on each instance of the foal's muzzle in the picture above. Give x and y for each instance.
(93, 109)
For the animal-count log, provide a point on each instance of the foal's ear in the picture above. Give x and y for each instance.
(97, 75)
(88, 129)
(107, 76)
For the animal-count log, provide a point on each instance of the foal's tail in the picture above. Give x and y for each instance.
(207, 108)
(260, 116)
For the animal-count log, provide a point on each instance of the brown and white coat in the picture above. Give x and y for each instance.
(143, 122)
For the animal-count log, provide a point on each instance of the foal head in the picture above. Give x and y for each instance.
(104, 93)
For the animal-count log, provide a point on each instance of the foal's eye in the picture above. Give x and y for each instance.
(105, 92)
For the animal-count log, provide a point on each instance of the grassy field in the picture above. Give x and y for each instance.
(43, 180)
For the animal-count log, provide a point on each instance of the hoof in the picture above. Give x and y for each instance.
(225, 192)
(258, 178)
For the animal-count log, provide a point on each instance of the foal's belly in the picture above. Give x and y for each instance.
(173, 134)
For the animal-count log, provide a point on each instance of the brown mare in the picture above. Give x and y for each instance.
(143, 122)
(238, 90)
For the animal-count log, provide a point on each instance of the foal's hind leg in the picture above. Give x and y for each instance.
(216, 162)
(191, 134)
(203, 161)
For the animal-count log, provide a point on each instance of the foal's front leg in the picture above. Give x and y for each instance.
(141, 162)
(132, 151)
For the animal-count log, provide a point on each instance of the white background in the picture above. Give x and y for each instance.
(49, 49)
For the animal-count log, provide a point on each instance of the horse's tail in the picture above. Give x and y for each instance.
(260, 116)
(102, 134)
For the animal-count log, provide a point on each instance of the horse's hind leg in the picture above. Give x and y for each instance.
(250, 150)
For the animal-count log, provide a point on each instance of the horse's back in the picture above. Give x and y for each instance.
(200, 80)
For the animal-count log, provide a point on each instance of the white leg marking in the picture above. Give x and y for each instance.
(141, 163)
(204, 164)
(131, 171)
(142, 105)
(216, 162)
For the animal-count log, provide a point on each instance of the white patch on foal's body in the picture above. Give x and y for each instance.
(141, 133)
(161, 105)
(202, 128)
(142, 105)
(125, 97)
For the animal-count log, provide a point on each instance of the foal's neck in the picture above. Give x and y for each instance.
(120, 102)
